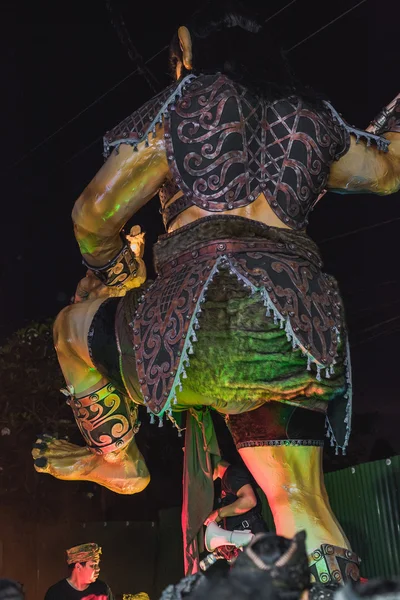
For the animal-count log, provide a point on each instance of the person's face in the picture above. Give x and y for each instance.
(89, 572)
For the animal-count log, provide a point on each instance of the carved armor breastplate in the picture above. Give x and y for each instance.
(225, 147)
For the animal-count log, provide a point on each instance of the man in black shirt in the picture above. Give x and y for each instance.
(82, 583)
(240, 506)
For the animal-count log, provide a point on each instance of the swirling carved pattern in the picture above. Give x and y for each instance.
(302, 293)
(225, 147)
(291, 276)
(103, 419)
(161, 325)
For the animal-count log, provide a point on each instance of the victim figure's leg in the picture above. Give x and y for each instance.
(103, 414)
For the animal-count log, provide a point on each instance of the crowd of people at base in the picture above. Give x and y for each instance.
(273, 568)
(269, 568)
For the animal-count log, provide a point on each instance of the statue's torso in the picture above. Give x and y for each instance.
(227, 149)
(230, 151)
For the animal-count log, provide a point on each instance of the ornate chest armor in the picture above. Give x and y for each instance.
(225, 147)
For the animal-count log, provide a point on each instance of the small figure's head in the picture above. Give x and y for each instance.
(11, 590)
(84, 563)
(220, 469)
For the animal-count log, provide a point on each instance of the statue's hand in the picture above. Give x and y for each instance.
(90, 287)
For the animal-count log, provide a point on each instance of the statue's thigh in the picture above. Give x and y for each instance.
(72, 326)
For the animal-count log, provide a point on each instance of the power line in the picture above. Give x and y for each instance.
(371, 327)
(372, 337)
(82, 151)
(122, 32)
(358, 230)
(279, 11)
(80, 113)
(325, 26)
(287, 51)
(74, 118)
(121, 81)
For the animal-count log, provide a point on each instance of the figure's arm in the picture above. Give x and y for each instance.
(246, 500)
(366, 168)
(123, 185)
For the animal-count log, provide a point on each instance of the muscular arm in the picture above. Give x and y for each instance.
(122, 186)
(246, 500)
(367, 169)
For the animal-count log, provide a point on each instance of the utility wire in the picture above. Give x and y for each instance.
(287, 51)
(137, 70)
(279, 11)
(372, 337)
(325, 26)
(122, 32)
(80, 113)
(358, 230)
(372, 327)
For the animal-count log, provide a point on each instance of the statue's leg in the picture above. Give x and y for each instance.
(291, 477)
(103, 414)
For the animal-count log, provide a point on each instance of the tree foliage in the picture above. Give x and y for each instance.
(30, 383)
(30, 404)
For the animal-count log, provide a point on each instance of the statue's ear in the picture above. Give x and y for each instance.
(185, 41)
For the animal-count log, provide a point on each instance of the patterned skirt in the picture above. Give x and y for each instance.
(241, 319)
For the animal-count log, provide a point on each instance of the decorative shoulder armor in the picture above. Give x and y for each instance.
(370, 138)
(136, 128)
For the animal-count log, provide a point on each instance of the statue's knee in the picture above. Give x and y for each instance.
(63, 330)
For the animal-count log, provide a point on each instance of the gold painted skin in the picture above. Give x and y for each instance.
(290, 477)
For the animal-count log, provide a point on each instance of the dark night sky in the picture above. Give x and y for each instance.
(58, 59)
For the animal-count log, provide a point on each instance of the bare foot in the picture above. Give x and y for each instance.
(123, 471)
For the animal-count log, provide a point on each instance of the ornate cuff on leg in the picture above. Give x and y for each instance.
(334, 565)
(104, 419)
(119, 270)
